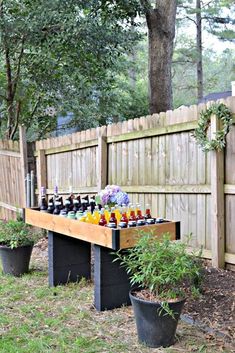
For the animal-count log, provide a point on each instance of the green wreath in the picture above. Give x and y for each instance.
(218, 143)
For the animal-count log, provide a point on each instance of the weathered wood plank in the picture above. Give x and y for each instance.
(10, 207)
(217, 202)
(102, 162)
(71, 147)
(23, 161)
(154, 132)
(73, 228)
(10, 153)
(169, 189)
(129, 236)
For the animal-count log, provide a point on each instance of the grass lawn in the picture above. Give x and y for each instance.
(35, 318)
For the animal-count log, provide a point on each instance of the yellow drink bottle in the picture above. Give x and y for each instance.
(96, 215)
(106, 213)
(89, 218)
(83, 217)
(117, 213)
(128, 211)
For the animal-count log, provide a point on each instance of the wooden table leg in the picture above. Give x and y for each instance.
(69, 259)
(112, 284)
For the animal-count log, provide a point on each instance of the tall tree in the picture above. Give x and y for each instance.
(214, 16)
(160, 20)
(199, 50)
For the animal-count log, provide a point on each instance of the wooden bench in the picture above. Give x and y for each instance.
(69, 253)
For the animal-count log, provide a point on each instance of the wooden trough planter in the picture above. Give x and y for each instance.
(69, 253)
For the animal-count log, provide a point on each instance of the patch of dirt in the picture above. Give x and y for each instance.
(213, 311)
(215, 308)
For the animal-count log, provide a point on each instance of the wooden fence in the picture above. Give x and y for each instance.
(13, 168)
(156, 160)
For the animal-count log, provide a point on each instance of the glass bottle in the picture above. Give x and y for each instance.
(57, 208)
(147, 212)
(92, 204)
(51, 205)
(96, 215)
(89, 218)
(132, 216)
(128, 212)
(106, 213)
(43, 203)
(67, 205)
(139, 214)
(117, 213)
(56, 195)
(102, 221)
(75, 205)
(113, 218)
(124, 216)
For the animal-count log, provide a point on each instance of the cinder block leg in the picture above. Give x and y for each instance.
(111, 281)
(69, 259)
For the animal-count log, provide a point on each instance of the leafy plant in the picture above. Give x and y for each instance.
(16, 233)
(160, 266)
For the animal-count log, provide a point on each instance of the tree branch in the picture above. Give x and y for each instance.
(13, 131)
(16, 79)
(191, 19)
(35, 107)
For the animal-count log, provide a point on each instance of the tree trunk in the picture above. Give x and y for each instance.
(161, 33)
(199, 50)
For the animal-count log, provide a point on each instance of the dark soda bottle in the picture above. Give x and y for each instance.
(43, 204)
(51, 205)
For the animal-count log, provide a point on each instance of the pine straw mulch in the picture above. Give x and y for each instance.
(213, 312)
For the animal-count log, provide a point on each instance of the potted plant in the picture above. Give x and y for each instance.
(160, 269)
(16, 244)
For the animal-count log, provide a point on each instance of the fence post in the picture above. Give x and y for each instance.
(23, 160)
(217, 202)
(41, 170)
(32, 190)
(102, 160)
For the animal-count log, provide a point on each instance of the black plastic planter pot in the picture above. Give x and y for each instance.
(155, 327)
(15, 261)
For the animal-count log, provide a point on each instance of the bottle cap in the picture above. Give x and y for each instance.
(141, 222)
(111, 225)
(132, 223)
(159, 220)
(63, 213)
(122, 225)
(150, 221)
(71, 215)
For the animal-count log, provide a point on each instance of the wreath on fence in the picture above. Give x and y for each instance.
(218, 142)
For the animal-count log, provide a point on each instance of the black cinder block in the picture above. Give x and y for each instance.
(69, 259)
(112, 283)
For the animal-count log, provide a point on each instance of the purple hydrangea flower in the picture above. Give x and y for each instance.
(122, 198)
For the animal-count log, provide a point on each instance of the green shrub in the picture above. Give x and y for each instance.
(16, 233)
(161, 266)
